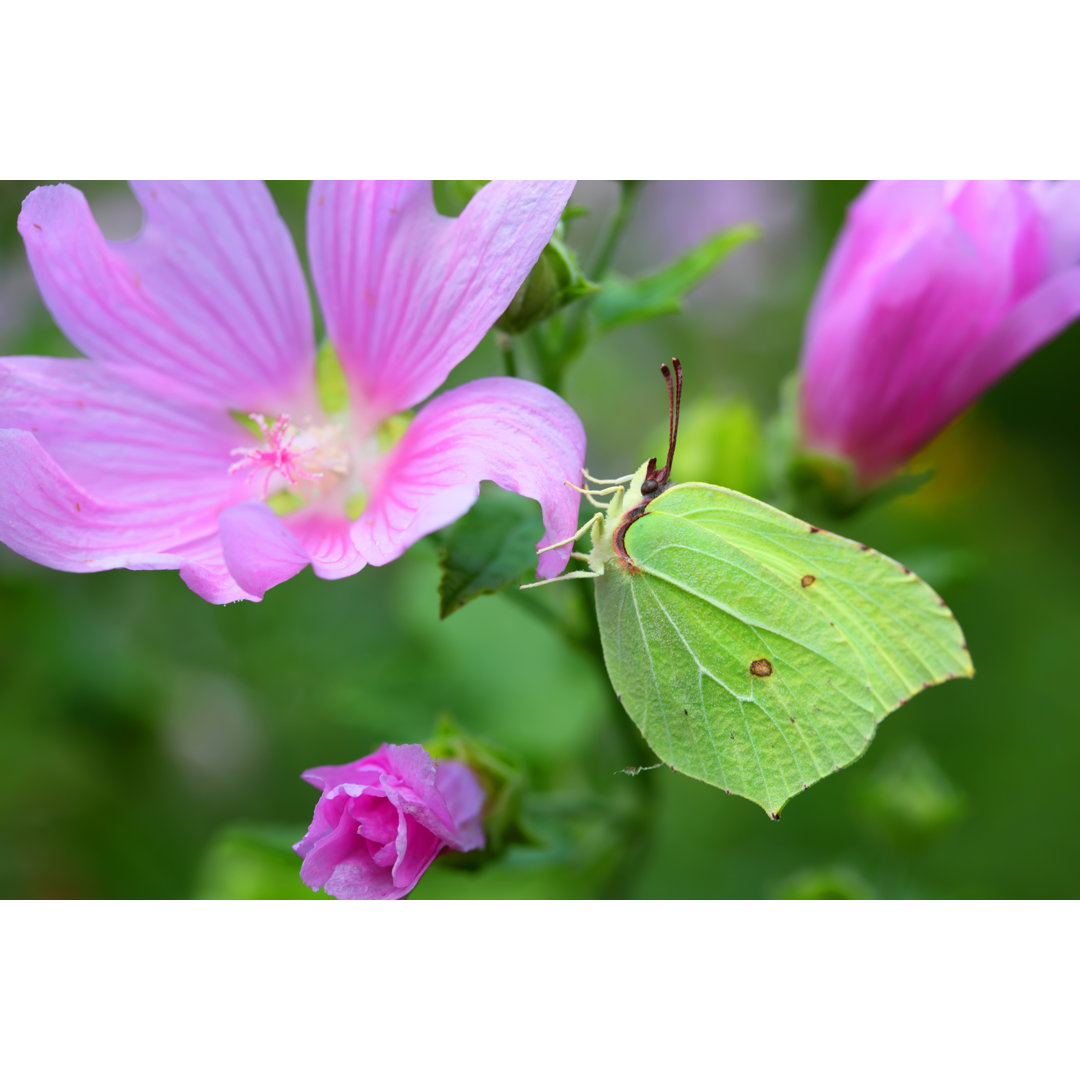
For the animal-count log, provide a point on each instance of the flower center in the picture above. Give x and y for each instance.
(313, 459)
(295, 466)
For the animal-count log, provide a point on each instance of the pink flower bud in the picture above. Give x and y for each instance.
(381, 821)
(933, 292)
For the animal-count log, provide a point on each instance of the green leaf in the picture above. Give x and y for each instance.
(758, 653)
(662, 293)
(492, 547)
(253, 862)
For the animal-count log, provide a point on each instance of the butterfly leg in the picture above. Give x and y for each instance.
(561, 577)
(618, 480)
(571, 539)
(591, 493)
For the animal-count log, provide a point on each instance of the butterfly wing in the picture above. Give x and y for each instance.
(758, 653)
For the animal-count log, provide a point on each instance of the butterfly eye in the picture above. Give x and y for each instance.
(649, 487)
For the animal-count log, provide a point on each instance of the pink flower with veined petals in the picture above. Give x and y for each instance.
(933, 292)
(193, 438)
(381, 821)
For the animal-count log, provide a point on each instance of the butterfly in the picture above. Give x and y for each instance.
(754, 651)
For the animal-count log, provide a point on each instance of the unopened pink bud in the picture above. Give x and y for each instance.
(381, 821)
(933, 292)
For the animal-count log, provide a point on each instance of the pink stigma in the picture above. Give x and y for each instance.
(280, 455)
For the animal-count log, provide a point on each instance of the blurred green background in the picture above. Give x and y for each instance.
(151, 744)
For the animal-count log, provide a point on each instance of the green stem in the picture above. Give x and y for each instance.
(629, 193)
(506, 347)
(640, 821)
(554, 359)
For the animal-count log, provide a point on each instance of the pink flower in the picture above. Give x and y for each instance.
(194, 437)
(381, 821)
(934, 291)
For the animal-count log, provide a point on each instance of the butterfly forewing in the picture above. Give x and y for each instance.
(758, 653)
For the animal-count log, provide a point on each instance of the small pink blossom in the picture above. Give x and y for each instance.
(193, 438)
(933, 292)
(381, 821)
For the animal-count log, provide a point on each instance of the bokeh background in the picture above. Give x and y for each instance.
(151, 744)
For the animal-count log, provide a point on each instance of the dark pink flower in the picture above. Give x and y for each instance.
(933, 292)
(193, 438)
(381, 821)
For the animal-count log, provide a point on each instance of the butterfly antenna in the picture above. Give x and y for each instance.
(674, 387)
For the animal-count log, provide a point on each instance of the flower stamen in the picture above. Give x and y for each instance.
(297, 456)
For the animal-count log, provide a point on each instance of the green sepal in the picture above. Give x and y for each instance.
(452, 196)
(492, 547)
(503, 779)
(285, 502)
(554, 282)
(245, 421)
(813, 484)
(624, 301)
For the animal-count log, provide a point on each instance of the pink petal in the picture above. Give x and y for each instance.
(1040, 316)
(882, 223)
(208, 302)
(204, 572)
(1006, 226)
(327, 539)
(358, 773)
(1059, 205)
(339, 861)
(118, 441)
(327, 816)
(464, 797)
(891, 346)
(415, 784)
(407, 293)
(46, 517)
(416, 851)
(410, 765)
(262, 550)
(516, 433)
(259, 548)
